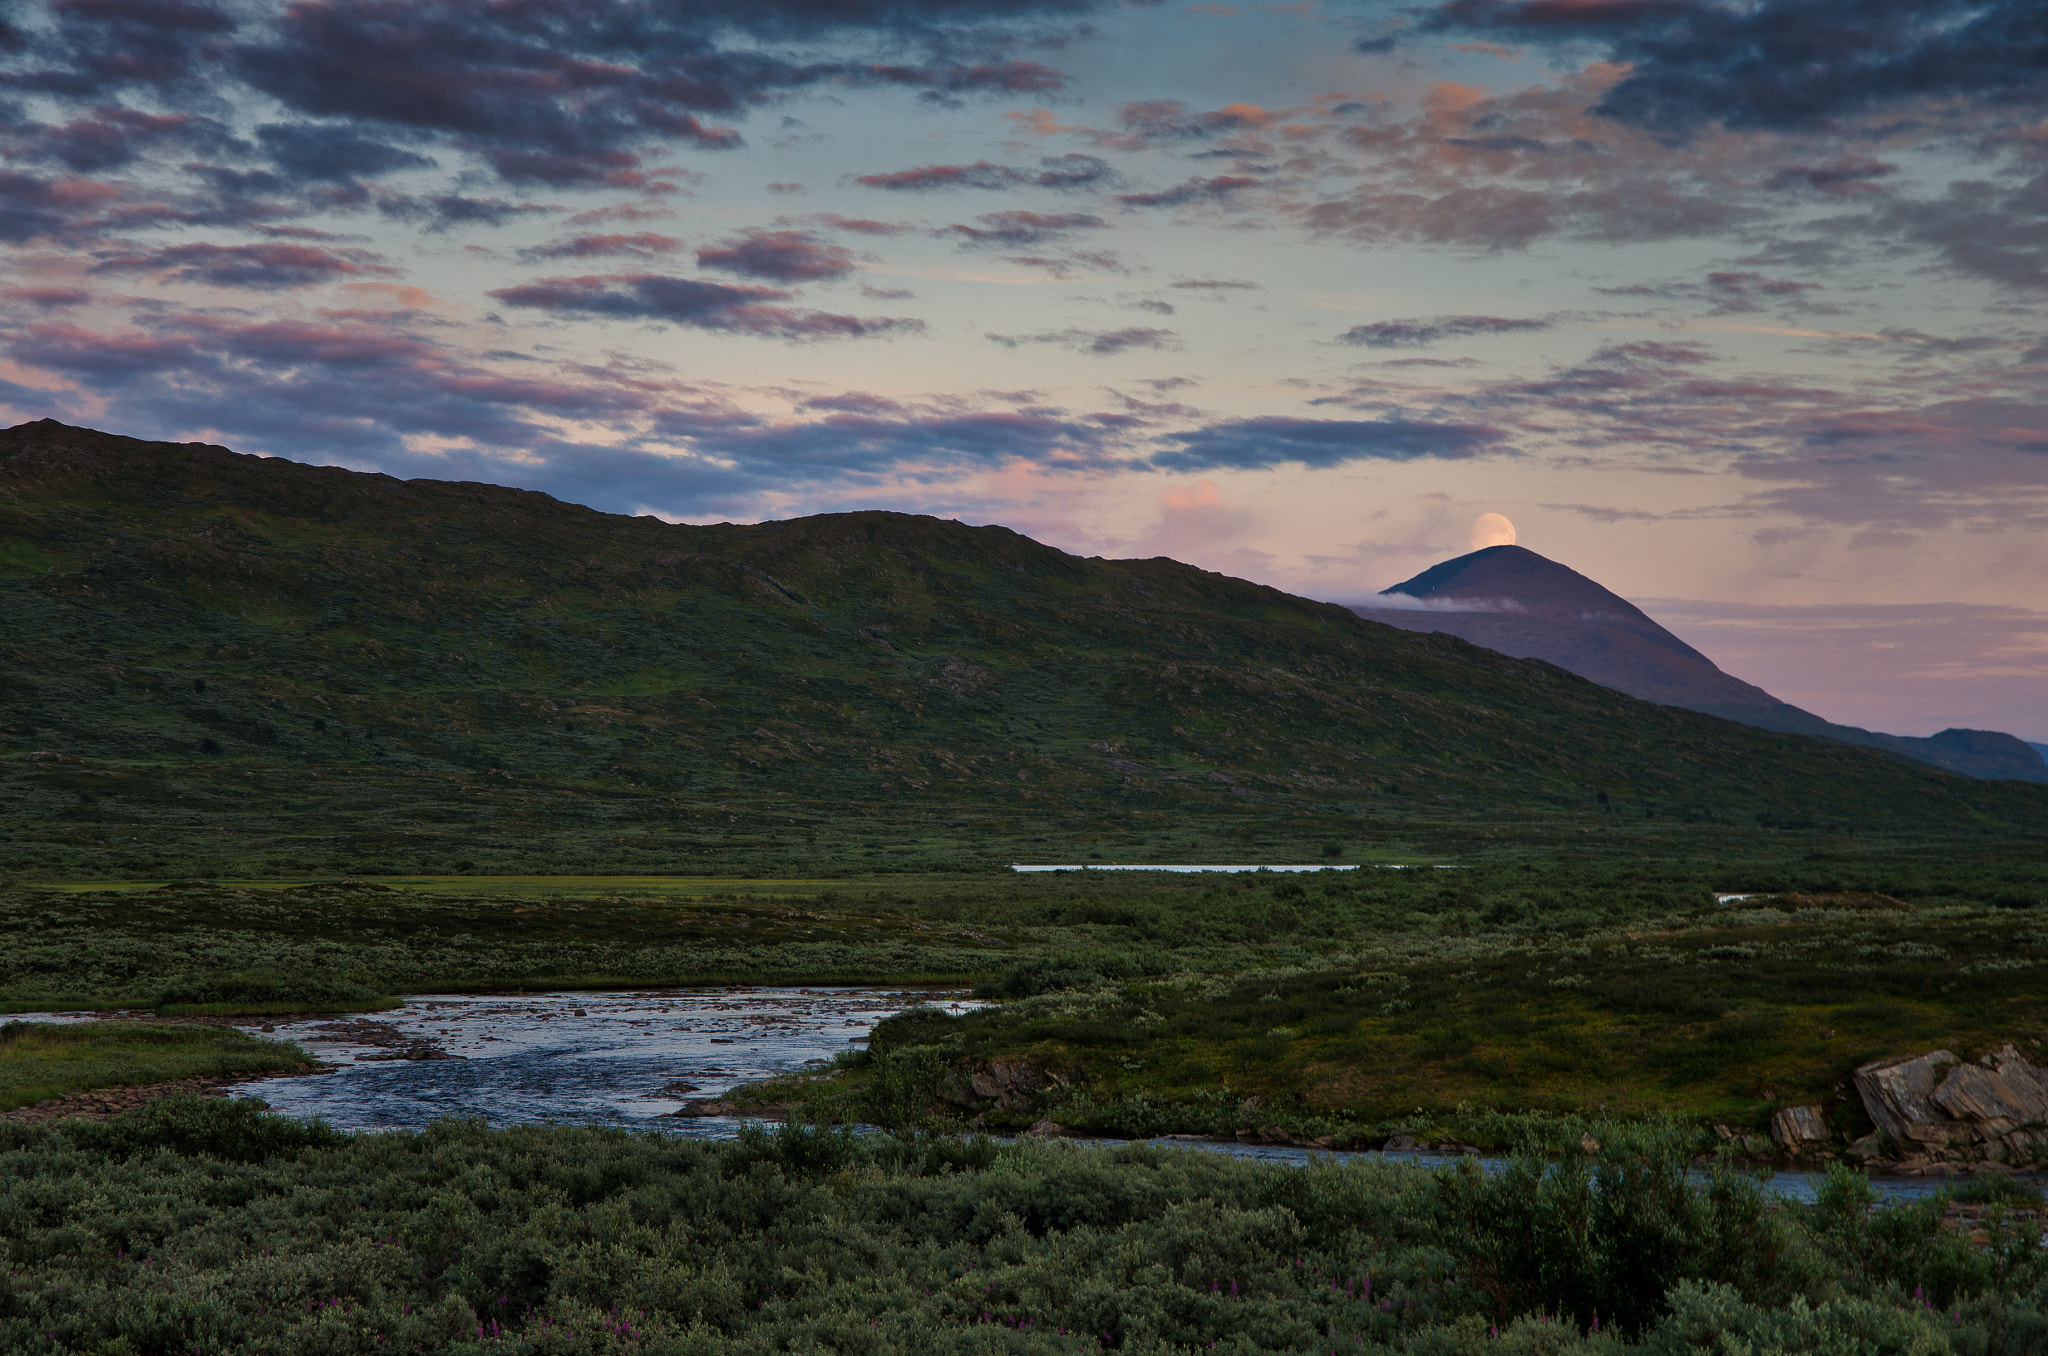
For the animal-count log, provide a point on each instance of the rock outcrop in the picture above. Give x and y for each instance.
(1011, 1084)
(1940, 1105)
(1797, 1128)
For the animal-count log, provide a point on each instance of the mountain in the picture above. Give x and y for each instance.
(1510, 599)
(213, 663)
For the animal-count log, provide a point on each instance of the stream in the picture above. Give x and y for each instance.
(634, 1058)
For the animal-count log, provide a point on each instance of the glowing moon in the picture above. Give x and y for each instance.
(1492, 529)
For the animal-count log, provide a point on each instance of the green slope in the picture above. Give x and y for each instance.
(211, 661)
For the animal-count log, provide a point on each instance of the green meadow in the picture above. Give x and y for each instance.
(1336, 1002)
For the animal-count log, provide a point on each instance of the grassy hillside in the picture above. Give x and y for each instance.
(213, 663)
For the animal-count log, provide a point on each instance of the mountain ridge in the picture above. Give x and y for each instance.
(210, 658)
(1520, 603)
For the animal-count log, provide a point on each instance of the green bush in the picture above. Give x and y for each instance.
(216, 1226)
(263, 990)
(1602, 1241)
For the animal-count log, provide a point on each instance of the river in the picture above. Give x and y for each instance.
(634, 1058)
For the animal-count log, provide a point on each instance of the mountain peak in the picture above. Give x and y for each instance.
(1510, 599)
(1516, 579)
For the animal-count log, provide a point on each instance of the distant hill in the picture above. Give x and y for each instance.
(1510, 599)
(214, 662)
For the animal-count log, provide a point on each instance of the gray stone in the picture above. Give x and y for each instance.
(1797, 1127)
(1899, 1095)
(1012, 1084)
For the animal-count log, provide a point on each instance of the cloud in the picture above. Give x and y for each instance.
(1257, 444)
(779, 256)
(1196, 524)
(1851, 176)
(1152, 121)
(333, 153)
(553, 92)
(1498, 172)
(93, 48)
(868, 444)
(267, 267)
(47, 298)
(1097, 342)
(1782, 63)
(1058, 172)
(633, 244)
(445, 211)
(1218, 189)
(1014, 230)
(863, 225)
(295, 388)
(1994, 231)
(1419, 333)
(1215, 285)
(110, 138)
(1073, 262)
(697, 304)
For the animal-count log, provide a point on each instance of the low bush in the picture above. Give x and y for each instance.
(216, 1227)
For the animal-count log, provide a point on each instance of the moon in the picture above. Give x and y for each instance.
(1492, 529)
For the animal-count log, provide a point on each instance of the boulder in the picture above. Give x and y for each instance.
(1012, 1084)
(1048, 1129)
(1799, 1127)
(2003, 1093)
(1994, 1108)
(1899, 1095)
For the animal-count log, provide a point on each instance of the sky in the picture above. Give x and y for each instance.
(1739, 308)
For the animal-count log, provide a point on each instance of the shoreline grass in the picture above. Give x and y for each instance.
(41, 1060)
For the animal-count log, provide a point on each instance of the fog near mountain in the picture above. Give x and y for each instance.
(1519, 603)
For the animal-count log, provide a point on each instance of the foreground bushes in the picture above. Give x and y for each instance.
(208, 1226)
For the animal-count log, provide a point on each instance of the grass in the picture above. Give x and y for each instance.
(40, 1060)
(499, 888)
(1710, 1014)
(1335, 1000)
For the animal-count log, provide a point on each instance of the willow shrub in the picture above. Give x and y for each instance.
(217, 1228)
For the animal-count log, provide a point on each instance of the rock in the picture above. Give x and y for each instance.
(1012, 1084)
(707, 1106)
(1996, 1108)
(1899, 1095)
(1865, 1149)
(1796, 1127)
(1399, 1144)
(1048, 1129)
(1589, 1144)
(2004, 1092)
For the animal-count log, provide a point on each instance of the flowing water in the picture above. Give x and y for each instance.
(635, 1058)
(629, 1059)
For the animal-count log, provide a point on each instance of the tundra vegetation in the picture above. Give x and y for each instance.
(804, 751)
(213, 1226)
(218, 665)
(1331, 1003)
(40, 1059)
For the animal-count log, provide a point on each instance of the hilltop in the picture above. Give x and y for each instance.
(213, 661)
(1510, 599)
